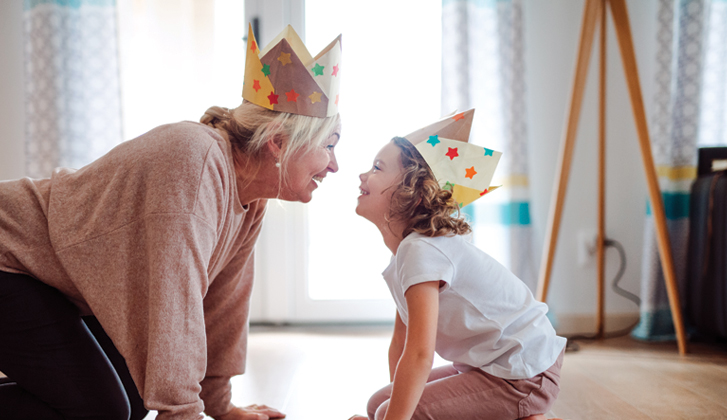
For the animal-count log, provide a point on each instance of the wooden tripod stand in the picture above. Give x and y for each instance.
(595, 11)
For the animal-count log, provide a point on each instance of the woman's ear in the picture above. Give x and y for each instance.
(275, 145)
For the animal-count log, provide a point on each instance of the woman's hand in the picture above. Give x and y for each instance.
(252, 412)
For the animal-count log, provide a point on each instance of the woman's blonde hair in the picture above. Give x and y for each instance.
(418, 200)
(251, 126)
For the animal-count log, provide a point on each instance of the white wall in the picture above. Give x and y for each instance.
(551, 38)
(12, 155)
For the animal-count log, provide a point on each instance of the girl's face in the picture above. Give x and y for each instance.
(308, 168)
(375, 199)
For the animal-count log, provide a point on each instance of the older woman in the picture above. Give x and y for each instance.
(126, 284)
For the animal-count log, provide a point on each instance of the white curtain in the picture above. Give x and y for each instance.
(71, 83)
(483, 68)
(674, 133)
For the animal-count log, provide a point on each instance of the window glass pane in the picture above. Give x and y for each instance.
(391, 69)
(177, 59)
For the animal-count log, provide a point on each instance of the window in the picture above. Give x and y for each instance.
(391, 85)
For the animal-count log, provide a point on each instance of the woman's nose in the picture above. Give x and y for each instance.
(333, 164)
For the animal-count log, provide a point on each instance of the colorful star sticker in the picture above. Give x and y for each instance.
(448, 186)
(256, 85)
(315, 97)
(335, 70)
(470, 172)
(292, 95)
(483, 192)
(452, 153)
(317, 70)
(253, 47)
(434, 140)
(458, 117)
(266, 70)
(273, 98)
(284, 58)
(488, 152)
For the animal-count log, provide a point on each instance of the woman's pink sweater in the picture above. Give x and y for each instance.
(151, 239)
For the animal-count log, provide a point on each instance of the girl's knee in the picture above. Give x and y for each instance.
(380, 411)
(377, 400)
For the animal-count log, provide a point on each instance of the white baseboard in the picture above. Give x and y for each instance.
(570, 324)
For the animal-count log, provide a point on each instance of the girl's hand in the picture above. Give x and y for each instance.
(252, 412)
(359, 418)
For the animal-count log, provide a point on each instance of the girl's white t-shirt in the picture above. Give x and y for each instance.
(488, 318)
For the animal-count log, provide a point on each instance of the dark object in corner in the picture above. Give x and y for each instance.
(706, 300)
(711, 159)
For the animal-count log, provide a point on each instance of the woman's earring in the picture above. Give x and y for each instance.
(277, 164)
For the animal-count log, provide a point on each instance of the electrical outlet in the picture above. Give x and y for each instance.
(587, 246)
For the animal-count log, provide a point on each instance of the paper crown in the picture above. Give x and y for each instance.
(284, 76)
(459, 166)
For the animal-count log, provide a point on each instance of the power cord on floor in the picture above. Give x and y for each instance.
(571, 345)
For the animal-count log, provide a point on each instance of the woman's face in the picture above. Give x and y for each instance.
(308, 168)
(375, 199)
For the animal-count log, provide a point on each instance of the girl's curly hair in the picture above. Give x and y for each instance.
(420, 202)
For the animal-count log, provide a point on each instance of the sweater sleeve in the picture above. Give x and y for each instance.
(226, 308)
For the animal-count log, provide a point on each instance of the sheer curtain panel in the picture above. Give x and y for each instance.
(483, 68)
(72, 106)
(674, 133)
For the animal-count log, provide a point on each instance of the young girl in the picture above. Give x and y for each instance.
(451, 297)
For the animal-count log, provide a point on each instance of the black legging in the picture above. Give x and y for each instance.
(59, 365)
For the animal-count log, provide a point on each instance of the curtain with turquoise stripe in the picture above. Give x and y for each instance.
(483, 68)
(674, 134)
(73, 112)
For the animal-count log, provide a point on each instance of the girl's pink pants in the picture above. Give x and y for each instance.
(450, 394)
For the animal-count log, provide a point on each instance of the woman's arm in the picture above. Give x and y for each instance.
(415, 364)
(226, 308)
(397, 345)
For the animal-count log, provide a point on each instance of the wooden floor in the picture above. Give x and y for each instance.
(626, 379)
(328, 372)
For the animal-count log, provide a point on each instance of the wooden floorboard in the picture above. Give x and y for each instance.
(577, 399)
(647, 389)
(643, 380)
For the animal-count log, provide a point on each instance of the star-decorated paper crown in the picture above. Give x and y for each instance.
(459, 166)
(284, 76)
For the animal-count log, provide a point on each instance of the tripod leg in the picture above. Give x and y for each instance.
(600, 247)
(593, 9)
(623, 33)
